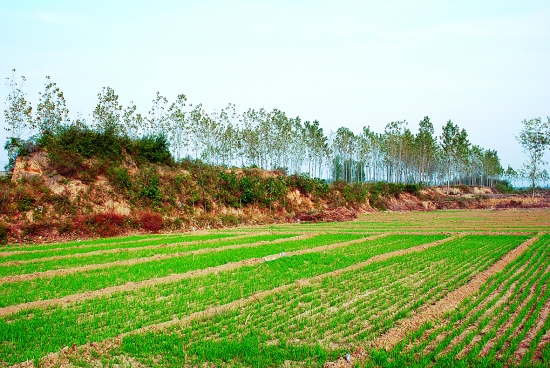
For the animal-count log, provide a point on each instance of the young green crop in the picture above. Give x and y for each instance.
(100, 247)
(135, 253)
(61, 285)
(90, 242)
(487, 329)
(328, 311)
(32, 333)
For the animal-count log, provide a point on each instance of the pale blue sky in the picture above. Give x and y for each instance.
(483, 64)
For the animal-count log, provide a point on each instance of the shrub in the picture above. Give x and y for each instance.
(276, 190)
(153, 148)
(151, 190)
(82, 142)
(119, 178)
(18, 147)
(148, 184)
(68, 164)
(504, 186)
(306, 185)
(228, 189)
(65, 227)
(25, 203)
(464, 188)
(150, 221)
(107, 223)
(355, 193)
(248, 188)
(38, 228)
(4, 230)
(414, 189)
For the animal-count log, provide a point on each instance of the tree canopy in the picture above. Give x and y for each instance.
(269, 139)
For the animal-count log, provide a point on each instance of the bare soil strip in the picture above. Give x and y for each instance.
(69, 299)
(119, 250)
(129, 262)
(450, 301)
(54, 359)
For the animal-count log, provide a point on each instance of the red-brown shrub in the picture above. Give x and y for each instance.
(107, 223)
(108, 218)
(150, 221)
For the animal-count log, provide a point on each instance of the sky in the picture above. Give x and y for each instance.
(482, 64)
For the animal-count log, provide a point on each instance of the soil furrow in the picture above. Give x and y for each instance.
(521, 327)
(477, 338)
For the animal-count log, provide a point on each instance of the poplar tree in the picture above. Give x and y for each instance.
(534, 137)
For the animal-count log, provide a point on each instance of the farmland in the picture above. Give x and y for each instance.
(452, 288)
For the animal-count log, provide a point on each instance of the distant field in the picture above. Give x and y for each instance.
(445, 288)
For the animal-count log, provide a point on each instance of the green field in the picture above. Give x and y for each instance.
(447, 288)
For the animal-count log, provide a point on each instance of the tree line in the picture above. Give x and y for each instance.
(266, 139)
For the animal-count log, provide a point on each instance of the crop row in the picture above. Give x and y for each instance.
(12, 293)
(176, 249)
(32, 333)
(88, 242)
(502, 325)
(336, 313)
(56, 252)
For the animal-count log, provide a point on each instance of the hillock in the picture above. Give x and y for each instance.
(81, 183)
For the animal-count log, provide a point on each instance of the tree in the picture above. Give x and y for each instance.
(51, 111)
(534, 137)
(178, 121)
(426, 147)
(395, 141)
(455, 148)
(510, 175)
(18, 117)
(107, 113)
(131, 121)
(159, 119)
(18, 112)
(344, 145)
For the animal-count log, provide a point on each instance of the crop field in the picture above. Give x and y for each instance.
(446, 288)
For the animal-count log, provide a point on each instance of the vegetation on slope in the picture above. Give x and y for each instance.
(124, 171)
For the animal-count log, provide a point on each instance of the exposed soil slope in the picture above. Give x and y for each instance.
(38, 204)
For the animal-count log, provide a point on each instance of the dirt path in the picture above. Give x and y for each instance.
(129, 262)
(450, 301)
(172, 278)
(103, 348)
